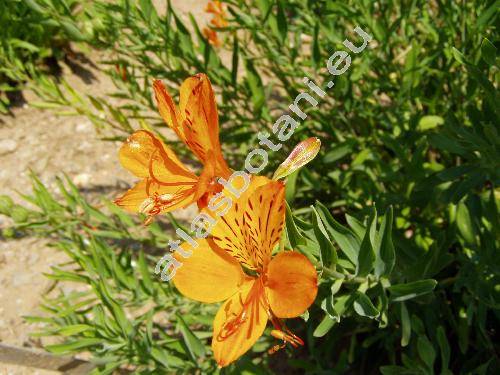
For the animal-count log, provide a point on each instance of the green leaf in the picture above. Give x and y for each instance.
(326, 325)
(339, 151)
(160, 355)
(146, 276)
(364, 307)
(465, 224)
(356, 225)
(282, 22)
(328, 254)
(74, 346)
(426, 351)
(291, 186)
(316, 53)
(444, 347)
(348, 242)
(385, 254)
(405, 325)
(403, 292)
(235, 61)
(294, 236)
(73, 32)
(488, 52)
(398, 370)
(255, 85)
(194, 345)
(430, 122)
(73, 329)
(366, 255)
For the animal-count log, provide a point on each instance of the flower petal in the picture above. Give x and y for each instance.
(209, 274)
(253, 226)
(198, 108)
(149, 196)
(196, 121)
(146, 156)
(167, 108)
(291, 285)
(239, 323)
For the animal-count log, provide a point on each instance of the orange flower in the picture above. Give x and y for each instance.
(273, 288)
(211, 36)
(219, 13)
(219, 20)
(166, 183)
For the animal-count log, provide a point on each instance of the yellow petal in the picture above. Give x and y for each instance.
(302, 154)
(239, 323)
(209, 274)
(253, 226)
(145, 155)
(291, 285)
(134, 197)
(152, 198)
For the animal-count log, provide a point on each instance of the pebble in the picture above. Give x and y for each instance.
(82, 179)
(7, 146)
(19, 280)
(84, 127)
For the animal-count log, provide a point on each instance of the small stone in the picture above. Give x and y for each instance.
(84, 127)
(20, 280)
(82, 179)
(7, 146)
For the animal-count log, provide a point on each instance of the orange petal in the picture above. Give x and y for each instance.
(151, 198)
(253, 226)
(146, 156)
(209, 274)
(291, 285)
(239, 323)
(134, 197)
(198, 108)
(167, 108)
(302, 154)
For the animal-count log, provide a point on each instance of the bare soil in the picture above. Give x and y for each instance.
(39, 141)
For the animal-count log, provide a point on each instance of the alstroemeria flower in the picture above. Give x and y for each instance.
(211, 36)
(236, 265)
(166, 183)
(219, 20)
(219, 13)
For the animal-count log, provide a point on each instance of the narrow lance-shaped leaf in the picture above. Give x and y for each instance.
(444, 347)
(322, 329)
(366, 256)
(193, 343)
(346, 239)
(405, 325)
(364, 307)
(302, 154)
(403, 292)
(294, 236)
(385, 256)
(328, 253)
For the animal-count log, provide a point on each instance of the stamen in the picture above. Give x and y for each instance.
(249, 307)
(281, 332)
(147, 205)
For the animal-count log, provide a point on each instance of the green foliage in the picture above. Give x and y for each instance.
(34, 35)
(409, 287)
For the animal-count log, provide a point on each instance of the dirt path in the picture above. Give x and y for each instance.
(37, 140)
